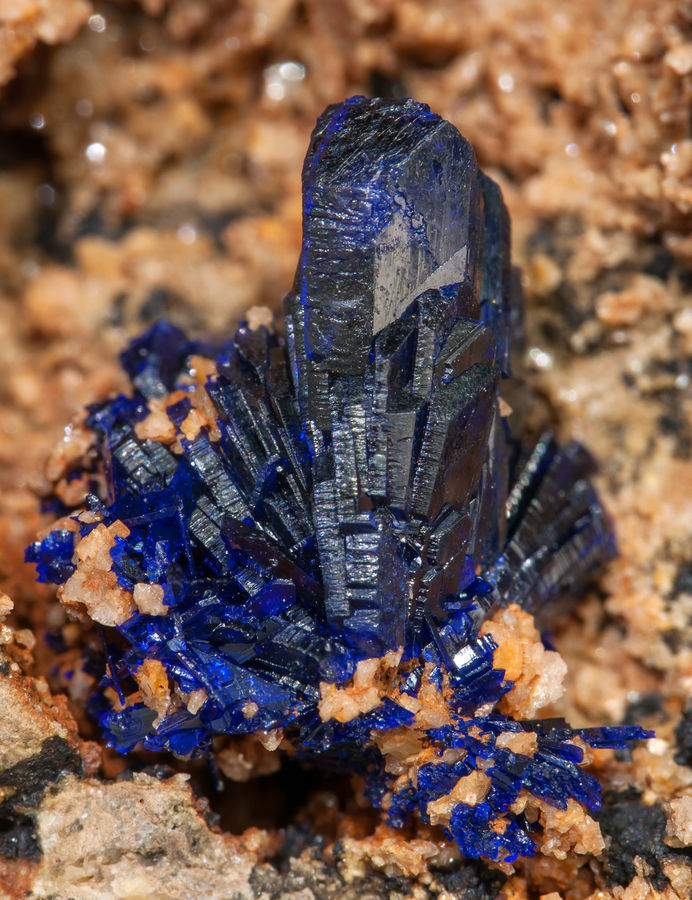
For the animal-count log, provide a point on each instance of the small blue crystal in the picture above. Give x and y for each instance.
(52, 556)
(352, 493)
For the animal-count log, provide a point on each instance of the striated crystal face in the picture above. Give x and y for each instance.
(324, 535)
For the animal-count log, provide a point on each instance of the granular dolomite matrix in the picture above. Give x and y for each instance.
(330, 540)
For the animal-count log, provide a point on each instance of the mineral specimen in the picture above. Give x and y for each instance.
(332, 540)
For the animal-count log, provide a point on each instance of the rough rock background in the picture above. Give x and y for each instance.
(150, 157)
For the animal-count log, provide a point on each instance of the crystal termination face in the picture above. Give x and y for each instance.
(330, 540)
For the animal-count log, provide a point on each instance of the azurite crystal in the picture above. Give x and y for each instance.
(307, 536)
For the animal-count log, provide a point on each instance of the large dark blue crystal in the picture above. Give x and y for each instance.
(395, 374)
(352, 489)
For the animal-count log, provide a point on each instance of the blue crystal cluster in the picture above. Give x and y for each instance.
(353, 491)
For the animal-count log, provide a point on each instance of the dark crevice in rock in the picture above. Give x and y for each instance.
(683, 738)
(683, 581)
(273, 801)
(632, 829)
(29, 780)
(647, 706)
(473, 880)
(310, 873)
(18, 838)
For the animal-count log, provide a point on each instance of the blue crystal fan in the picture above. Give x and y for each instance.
(306, 536)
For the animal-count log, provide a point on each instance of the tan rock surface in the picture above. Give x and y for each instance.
(137, 839)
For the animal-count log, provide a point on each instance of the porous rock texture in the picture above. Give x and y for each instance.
(150, 166)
